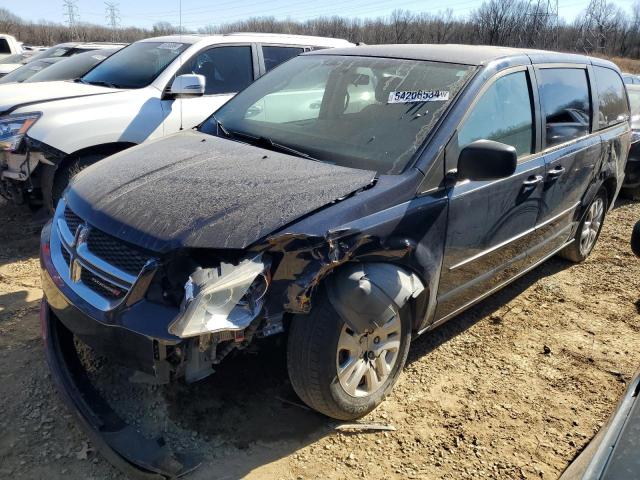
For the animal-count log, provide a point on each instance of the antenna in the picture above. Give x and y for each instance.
(70, 11)
(113, 18)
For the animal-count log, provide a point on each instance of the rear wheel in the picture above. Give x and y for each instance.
(588, 230)
(338, 372)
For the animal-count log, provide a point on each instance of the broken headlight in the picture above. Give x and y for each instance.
(223, 298)
(13, 129)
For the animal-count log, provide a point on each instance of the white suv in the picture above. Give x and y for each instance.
(51, 130)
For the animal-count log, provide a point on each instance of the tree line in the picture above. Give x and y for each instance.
(602, 28)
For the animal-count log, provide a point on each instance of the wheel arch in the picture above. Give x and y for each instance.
(368, 292)
(49, 174)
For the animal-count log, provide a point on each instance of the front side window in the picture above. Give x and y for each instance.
(612, 99)
(226, 69)
(274, 56)
(566, 105)
(503, 114)
(360, 112)
(135, 66)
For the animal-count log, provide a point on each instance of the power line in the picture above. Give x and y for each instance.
(70, 12)
(113, 18)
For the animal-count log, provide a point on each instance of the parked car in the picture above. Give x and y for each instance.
(631, 186)
(613, 452)
(631, 79)
(69, 49)
(9, 45)
(10, 63)
(28, 70)
(352, 197)
(150, 89)
(34, 65)
(73, 67)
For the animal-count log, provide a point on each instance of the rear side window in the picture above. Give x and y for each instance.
(274, 56)
(4, 46)
(612, 98)
(226, 69)
(564, 94)
(503, 114)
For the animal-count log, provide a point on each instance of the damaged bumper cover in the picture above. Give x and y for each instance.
(120, 443)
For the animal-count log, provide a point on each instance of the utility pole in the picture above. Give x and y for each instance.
(113, 18)
(543, 25)
(70, 11)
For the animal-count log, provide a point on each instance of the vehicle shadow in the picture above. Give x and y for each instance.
(19, 234)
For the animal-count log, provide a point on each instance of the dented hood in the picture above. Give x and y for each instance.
(196, 190)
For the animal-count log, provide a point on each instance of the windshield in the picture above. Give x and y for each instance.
(72, 67)
(28, 70)
(361, 112)
(135, 66)
(57, 51)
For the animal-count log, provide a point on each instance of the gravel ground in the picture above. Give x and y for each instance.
(513, 388)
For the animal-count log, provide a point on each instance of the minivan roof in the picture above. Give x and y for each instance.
(464, 54)
(253, 37)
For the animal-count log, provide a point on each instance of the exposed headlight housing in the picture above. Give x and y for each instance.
(635, 136)
(225, 298)
(13, 129)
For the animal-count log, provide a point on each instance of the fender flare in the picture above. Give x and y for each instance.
(369, 294)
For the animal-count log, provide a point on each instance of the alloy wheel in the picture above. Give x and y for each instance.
(364, 362)
(591, 226)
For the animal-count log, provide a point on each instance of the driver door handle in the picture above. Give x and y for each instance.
(556, 172)
(532, 181)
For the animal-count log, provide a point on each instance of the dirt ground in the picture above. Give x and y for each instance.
(513, 388)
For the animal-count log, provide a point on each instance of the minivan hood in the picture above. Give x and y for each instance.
(15, 95)
(196, 190)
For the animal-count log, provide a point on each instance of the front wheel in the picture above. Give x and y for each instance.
(588, 230)
(338, 372)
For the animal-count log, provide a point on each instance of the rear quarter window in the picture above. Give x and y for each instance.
(612, 97)
(4, 46)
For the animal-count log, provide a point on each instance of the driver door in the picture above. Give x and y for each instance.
(491, 223)
(227, 69)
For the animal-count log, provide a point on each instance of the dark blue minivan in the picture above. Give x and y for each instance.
(350, 199)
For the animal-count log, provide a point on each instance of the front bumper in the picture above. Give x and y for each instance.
(137, 456)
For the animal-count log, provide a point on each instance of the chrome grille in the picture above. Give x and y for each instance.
(73, 221)
(116, 253)
(97, 264)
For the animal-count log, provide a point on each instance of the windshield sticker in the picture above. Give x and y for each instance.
(35, 68)
(169, 46)
(98, 57)
(419, 96)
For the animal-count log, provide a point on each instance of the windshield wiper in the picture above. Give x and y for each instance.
(271, 145)
(262, 142)
(101, 83)
(221, 127)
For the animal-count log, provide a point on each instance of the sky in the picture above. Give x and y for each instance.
(198, 13)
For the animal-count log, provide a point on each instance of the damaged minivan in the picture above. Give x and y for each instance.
(350, 200)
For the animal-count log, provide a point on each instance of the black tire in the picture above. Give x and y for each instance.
(575, 252)
(64, 175)
(311, 360)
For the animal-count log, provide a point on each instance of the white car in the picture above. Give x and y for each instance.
(155, 87)
(9, 45)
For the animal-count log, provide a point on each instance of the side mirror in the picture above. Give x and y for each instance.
(635, 239)
(188, 85)
(486, 160)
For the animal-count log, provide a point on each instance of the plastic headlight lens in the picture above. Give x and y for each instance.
(13, 129)
(221, 299)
